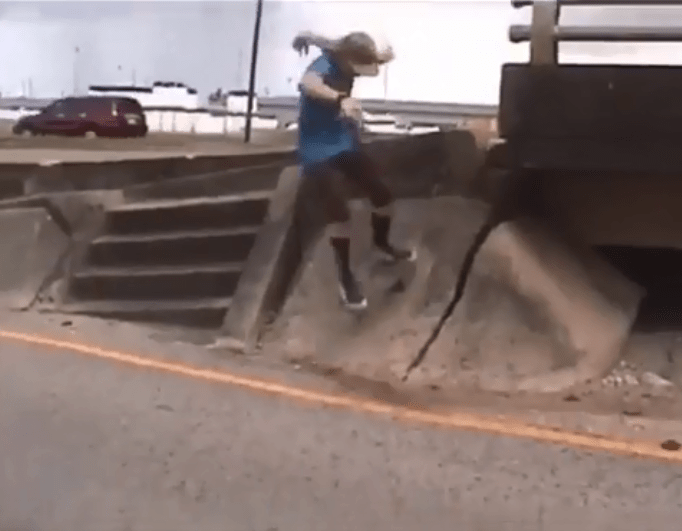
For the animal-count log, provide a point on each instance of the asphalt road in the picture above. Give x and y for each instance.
(90, 444)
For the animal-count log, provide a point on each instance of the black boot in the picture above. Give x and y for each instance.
(349, 287)
(381, 226)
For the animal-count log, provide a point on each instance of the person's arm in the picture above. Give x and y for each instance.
(314, 86)
(304, 40)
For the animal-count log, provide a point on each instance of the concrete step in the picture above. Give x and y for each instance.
(173, 248)
(156, 283)
(199, 313)
(168, 215)
(234, 181)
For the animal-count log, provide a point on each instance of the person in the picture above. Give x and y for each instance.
(330, 150)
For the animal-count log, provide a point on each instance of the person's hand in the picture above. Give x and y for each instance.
(351, 108)
(302, 42)
(386, 55)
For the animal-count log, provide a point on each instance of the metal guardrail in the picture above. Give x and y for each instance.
(545, 33)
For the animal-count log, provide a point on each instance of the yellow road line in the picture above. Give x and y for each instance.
(451, 420)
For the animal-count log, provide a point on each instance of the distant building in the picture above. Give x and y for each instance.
(160, 94)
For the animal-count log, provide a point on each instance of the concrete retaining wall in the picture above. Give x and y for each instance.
(33, 247)
(429, 165)
(73, 198)
(76, 196)
(30, 179)
(418, 166)
(46, 234)
(425, 166)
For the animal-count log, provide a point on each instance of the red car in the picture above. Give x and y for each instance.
(89, 115)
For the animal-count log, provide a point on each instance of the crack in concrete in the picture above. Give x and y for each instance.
(479, 239)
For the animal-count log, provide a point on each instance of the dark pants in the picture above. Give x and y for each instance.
(333, 183)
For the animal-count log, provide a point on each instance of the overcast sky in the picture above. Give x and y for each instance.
(446, 50)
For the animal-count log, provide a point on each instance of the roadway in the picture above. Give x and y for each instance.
(107, 444)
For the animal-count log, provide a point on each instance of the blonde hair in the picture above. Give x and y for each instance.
(357, 44)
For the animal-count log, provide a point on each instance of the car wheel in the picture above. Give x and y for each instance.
(90, 134)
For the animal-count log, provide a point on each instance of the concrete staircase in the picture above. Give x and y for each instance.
(174, 254)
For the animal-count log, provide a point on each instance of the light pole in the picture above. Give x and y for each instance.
(239, 82)
(252, 75)
(386, 82)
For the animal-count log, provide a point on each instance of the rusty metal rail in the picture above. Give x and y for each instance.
(603, 34)
(525, 3)
(545, 33)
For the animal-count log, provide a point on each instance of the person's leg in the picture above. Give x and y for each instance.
(362, 172)
(332, 198)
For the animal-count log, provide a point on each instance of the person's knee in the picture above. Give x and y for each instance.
(340, 229)
(380, 195)
(385, 210)
(382, 199)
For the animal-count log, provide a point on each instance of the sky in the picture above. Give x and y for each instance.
(446, 50)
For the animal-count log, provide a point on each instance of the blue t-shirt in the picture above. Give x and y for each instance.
(322, 133)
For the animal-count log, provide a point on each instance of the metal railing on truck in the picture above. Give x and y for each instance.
(545, 33)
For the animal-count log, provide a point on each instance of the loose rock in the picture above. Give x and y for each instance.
(654, 380)
(629, 379)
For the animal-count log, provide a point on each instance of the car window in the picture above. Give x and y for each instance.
(132, 107)
(78, 106)
(58, 107)
(72, 106)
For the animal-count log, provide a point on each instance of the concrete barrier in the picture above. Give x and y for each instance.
(413, 167)
(268, 272)
(33, 247)
(583, 307)
(419, 166)
(72, 188)
(428, 165)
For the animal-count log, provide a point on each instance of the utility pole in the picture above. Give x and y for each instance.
(252, 76)
(75, 71)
